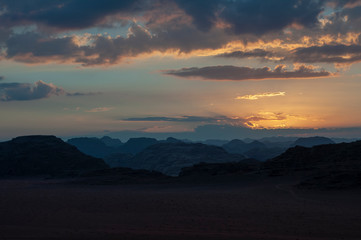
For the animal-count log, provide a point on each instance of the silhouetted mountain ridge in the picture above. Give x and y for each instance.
(43, 155)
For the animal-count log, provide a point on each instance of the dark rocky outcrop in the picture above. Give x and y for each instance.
(44, 155)
(326, 166)
(170, 158)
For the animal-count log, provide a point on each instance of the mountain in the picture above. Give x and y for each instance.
(312, 141)
(215, 142)
(136, 145)
(254, 149)
(240, 147)
(43, 155)
(92, 146)
(172, 140)
(326, 166)
(170, 158)
(111, 142)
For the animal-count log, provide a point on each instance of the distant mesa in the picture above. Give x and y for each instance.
(44, 155)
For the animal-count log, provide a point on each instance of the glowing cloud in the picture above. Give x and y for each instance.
(260, 95)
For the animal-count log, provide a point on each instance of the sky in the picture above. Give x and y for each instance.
(188, 68)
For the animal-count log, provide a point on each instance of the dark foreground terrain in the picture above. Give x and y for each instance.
(247, 207)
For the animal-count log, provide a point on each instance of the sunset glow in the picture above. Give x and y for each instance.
(179, 66)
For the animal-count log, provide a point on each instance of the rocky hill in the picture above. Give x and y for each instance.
(327, 166)
(43, 155)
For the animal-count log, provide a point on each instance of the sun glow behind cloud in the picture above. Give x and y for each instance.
(234, 55)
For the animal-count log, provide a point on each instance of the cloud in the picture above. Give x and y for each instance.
(260, 95)
(99, 109)
(252, 17)
(2, 78)
(247, 54)
(259, 120)
(27, 91)
(328, 53)
(245, 16)
(178, 26)
(67, 14)
(37, 48)
(180, 119)
(79, 94)
(247, 73)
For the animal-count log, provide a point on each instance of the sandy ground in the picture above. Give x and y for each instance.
(269, 209)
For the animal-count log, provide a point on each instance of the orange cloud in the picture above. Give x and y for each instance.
(260, 95)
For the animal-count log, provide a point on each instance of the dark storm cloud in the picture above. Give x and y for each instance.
(27, 91)
(2, 78)
(328, 53)
(253, 16)
(243, 16)
(33, 47)
(40, 46)
(246, 73)
(203, 14)
(65, 14)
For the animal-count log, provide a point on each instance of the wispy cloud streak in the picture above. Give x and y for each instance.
(260, 95)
